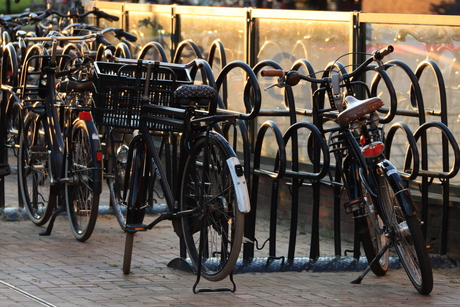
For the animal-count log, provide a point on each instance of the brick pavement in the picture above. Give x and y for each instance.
(60, 271)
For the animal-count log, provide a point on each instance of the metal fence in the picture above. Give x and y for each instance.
(255, 35)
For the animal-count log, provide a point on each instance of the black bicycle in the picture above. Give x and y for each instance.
(207, 197)
(60, 156)
(379, 200)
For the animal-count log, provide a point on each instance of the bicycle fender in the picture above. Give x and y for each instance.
(394, 178)
(242, 195)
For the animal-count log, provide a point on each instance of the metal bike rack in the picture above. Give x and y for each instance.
(448, 140)
(295, 175)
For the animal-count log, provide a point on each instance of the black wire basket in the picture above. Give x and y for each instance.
(120, 90)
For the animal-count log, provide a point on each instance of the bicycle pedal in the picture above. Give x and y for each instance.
(136, 227)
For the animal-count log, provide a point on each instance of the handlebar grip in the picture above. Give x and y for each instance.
(380, 54)
(119, 33)
(272, 73)
(100, 39)
(104, 15)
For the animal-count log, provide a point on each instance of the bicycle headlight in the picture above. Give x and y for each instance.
(122, 154)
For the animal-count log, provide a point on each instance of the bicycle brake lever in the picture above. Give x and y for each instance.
(281, 83)
(270, 86)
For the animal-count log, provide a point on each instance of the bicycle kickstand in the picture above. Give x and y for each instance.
(198, 277)
(56, 212)
(198, 273)
(387, 245)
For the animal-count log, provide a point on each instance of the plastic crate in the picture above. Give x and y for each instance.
(120, 91)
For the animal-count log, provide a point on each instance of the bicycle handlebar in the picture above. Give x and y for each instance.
(293, 77)
(380, 54)
(74, 14)
(16, 23)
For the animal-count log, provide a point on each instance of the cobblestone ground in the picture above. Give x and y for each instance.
(57, 270)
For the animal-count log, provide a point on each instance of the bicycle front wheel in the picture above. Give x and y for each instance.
(213, 235)
(33, 171)
(406, 230)
(84, 172)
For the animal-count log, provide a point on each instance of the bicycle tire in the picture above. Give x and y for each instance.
(220, 222)
(137, 194)
(82, 192)
(33, 175)
(375, 238)
(409, 241)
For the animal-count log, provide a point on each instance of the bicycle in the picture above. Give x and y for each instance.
(15, 54)
(209, 197)
(382, 206)
(60, 156)
(69, 22)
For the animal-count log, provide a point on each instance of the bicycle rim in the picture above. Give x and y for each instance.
(33, 171)
(81, 167)
(220, 225)
(409, 242)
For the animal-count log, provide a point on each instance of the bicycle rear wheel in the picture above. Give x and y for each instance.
(409, 241)
(83, 169)
(137, 195)
(207, 184)
(33, 171)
